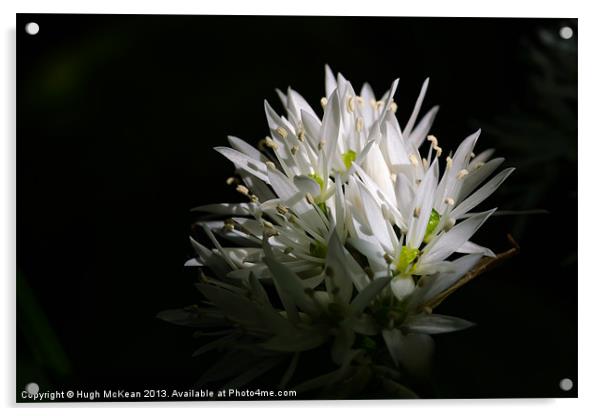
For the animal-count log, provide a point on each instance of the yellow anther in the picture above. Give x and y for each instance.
(350, 104)
(270, 165)
(359, 124)
(231, 180)
(393, 107)
(324, 102)
(271, 143)
(416, 212)
(462, 174)
(413, 159)
(282, 132)
(242, 189)
(448, 161)
(431, 138)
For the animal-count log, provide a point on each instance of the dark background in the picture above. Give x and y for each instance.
(116, 120)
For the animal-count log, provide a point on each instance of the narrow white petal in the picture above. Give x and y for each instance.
(225, 209)
(439, 282)
(477, 176)
(329, 132)
(312, 127)
(471, 248)
(392, 144)
(245, 148)
(418, 135)
(482, 157)
(436, 324)
(404, 193)
(451, 241)
(307, 185)
(298, 103)
(402, 287)
(410, 124)
(257, 186)
(378, 225)
(244, 162)
(483, 193)
(376, 167)
(422, 207)
(330, 81)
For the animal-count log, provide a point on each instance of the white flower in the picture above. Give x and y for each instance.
(429, 227)
(354, 227)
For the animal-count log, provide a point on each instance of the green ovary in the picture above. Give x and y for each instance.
(317, 249)
(317, 179)
(348, 158)
(432, 225)
(406, 258)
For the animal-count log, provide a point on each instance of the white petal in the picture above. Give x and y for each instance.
(225, 209)
(378, 225)
(410, 124)
(329, 132)
(436, 324)
(312, 127)
(482, 194)
(257, 186)
(437, 283)
(402, 287)
(425, 195)
(449, 242)
(245, 148)
(307, 185)
(340, 273)
(404, 193)
(481, 158)
(244, 162)
(376, 167)
(418, 135)
(412, 351)
(392, 143)
(471, 248)
(478, 175)
(330, 81)
(298, 104)
(283, 186)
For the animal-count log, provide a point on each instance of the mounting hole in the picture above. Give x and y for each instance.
(565, 32)
(566, 384)
(32, 28)
(32, 388)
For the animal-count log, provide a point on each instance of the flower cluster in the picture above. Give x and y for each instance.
(348, 233)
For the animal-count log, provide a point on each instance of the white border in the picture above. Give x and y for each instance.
(590, 293)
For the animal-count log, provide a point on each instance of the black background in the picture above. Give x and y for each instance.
(116, 120)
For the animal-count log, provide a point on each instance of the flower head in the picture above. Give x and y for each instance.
(355, 228)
